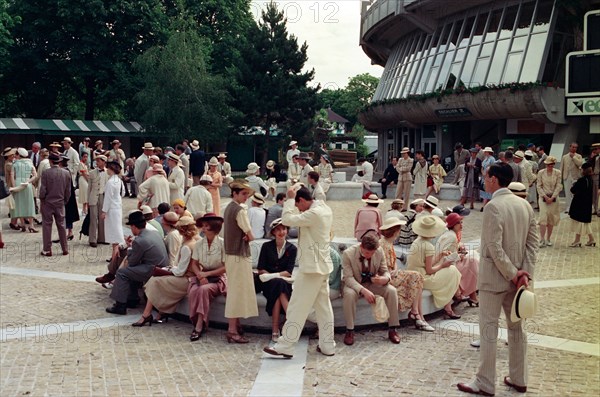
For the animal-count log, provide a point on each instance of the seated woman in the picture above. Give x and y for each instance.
(165, 292)
(407, 235)
(208, 265)
(409, 284)
(395, 209)
(277, 257)
(368, 217)
(467, 264)
(441, 277)
(178, 207)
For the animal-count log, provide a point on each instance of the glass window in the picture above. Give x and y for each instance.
(533, 60)
(525, 18)
(457, 31)
(519, 43)
(498, 60)
(480, 70)
(469, 64)
(511, 73)
(510, 15)
(479, 28)
(486, 49)
(542, 19)
(467, 32)
(493, 25)
(452, 80)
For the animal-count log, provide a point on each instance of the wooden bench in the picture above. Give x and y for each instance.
(342, 158)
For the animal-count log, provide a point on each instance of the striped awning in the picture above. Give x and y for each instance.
(72, 127)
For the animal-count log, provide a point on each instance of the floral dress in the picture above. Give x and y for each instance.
(407, 283)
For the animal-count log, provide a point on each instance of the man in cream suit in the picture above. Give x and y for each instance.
(176, 177)
(311, 285)
(96, 183)
(73, 164)
(224, 168)
(509, 244)
(570, 168)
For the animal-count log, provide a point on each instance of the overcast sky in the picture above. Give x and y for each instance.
(331, 29)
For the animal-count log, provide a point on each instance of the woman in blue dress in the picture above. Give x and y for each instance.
(23, 173)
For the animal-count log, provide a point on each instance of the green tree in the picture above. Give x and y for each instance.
(180, 98)
(272, 87)
(80, 51)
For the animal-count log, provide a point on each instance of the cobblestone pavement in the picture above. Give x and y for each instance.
(57, 340)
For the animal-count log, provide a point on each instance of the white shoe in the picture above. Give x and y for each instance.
(476, 343)
(542, 243)
(423, 326)
(549, 243)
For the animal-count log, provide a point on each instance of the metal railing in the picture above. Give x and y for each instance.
(380, 9)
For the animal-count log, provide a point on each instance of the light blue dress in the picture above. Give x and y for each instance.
(484, 166)
(24, 204)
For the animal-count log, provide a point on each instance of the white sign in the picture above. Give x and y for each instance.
(583, 106)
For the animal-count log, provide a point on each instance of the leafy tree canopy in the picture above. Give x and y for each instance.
(349, 101)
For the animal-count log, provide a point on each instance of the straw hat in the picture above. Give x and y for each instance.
(213, 161)
(519, 154)
(524, 305)
(398, 201)
(101, 157)
(391, 222)
(488, 149)
(67, 139)
(258, 198)
(145, 209)
(173, 157)
(518, 189)
(405, 150)
(595, 145)
(98, 142)
(56, 144)
(372, 199)
(195, 144)
(253, 168)
(170, 218)
(429, 226)
(528, 153)
(452, 220)
(240, 184)
(222, 156)
(115, 141)
(206, 178)
(417, 201)
(148, 146)
(22, 152)
(432, 202)
(185, 221)
(293, 143)
(550, 160)
(270, 164)
(275, 223)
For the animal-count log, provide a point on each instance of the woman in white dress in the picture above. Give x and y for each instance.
(325, 171)
(112, 209)
(83, 180)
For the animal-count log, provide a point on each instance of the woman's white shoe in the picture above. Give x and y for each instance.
(423, 326)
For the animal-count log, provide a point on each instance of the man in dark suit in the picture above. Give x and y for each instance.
(390, 176)
(34, 154)
(55, 190)
(197, 160)
(147, 251)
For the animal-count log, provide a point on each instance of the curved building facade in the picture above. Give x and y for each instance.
(469, 71)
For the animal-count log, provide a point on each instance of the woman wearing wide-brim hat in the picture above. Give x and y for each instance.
(254, 181)
(408, 283)
(442, 278)
(549, 186)
(23, 174)
(368, 218)
(215, 186)
(583, 197)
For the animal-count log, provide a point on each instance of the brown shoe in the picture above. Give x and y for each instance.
(65, 252)
(325, 354)
(393, 336)
(46, 253)
(275, 353)
(93, 245)
(107, 278)
(349, 338)
(520, 389)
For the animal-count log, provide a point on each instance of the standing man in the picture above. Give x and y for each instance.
(96, 184)
(224, 168)
(176, 177)
(528, 177)
(291, 152)
(197, 162)
(311, 285)
(509, 248)
(305, 168)
(390, 177)
(34, 155)
(479, 148)
(185, 164)
(595, 160)
(73, 163)
(142, 163)
(55, 190)
(542, 157)
(508, 158)
(404, 179)
(147, 251)
(570, 168)
(117, 154)
(460, 155)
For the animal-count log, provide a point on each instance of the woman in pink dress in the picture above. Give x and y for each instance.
(368, 217)
(215, 187)
(467, 262)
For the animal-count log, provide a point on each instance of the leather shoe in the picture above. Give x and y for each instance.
(93, 245)
(273, 352)
(46, 253)
(65, 252)
(107, 278)
(325, 354)
(471, 388)
(349, 338)
(117, 308)
(393, 336)
(520, 389)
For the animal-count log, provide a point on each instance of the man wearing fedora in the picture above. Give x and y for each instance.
(311, 286)
(293, 150)
(117, 154)
(404, 168)
(96, 183)
(55, 190)
(176, 177)
(305, 168)
(197, 162)
(509, 244)
(224, 168)
(147, 250)
(570, 169)
(366, 275)
(142, 163)
(71, 153)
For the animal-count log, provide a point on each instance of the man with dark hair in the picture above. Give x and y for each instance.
(274, 212)
(542, 156)
(509, 244)
(311, 285)
(185, 161)
(460, 155)
(146, 251)
(390, 177)
(479, 148)
(516, 171)
(366, 275)
(197, 160)
(315, 188)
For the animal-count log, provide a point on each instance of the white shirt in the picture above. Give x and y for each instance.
(290, 153)
(198, 200)
(257, 216)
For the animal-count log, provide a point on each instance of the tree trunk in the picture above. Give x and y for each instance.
(90, 98)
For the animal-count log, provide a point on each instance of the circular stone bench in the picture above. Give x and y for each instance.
(262, 322)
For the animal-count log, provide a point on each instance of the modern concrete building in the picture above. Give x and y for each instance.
(469, 71)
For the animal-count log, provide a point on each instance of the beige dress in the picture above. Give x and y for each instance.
(468, 266)
(165, 292)
(437, 172)
(325, 176)
(83, 183)
(444, 283)
(214, 190)
(549, 185)
(241, 295)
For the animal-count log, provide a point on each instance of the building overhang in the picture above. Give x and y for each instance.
(545, 104)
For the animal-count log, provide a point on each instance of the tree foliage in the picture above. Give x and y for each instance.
(180, 98)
